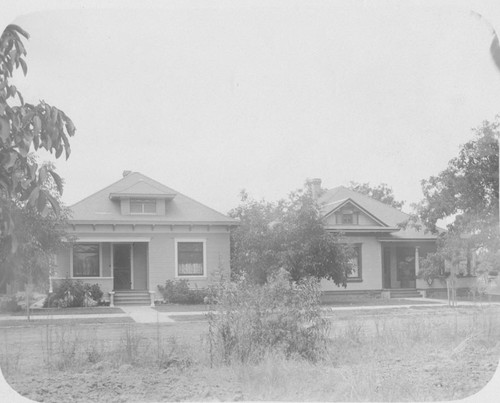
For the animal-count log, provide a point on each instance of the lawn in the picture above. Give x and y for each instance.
(70, 311)
(431, 353)
(361, 300)
(181, 308)
(333, 301)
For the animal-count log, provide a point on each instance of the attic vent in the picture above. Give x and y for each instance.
(126, 173)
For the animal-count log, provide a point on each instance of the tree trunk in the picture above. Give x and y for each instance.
(27, 292)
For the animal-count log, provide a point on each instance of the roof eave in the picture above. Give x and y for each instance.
(407, 239)
(374, 229)
(165, 196)
(150, 222)
(365, 211)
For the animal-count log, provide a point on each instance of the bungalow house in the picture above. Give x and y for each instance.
(387, 256)
(136, 233)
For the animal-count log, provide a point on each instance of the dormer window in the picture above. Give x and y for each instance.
(347, 218)
(138, 206)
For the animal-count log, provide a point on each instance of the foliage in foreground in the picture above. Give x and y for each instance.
(402, 357)
(248, 321)
(24, 126)
(72, 294)
(179, 292)
(286, 235)
(39, 238)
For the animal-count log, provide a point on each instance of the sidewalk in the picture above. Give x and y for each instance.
(146, 314)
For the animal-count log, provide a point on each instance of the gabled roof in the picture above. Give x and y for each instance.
(102, 206)
(335, 198)
(350, 202)
(143, 189)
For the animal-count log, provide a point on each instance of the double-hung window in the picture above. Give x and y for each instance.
(86, 260)
(347, 218)
(142, 206)
(190, 258)
(356, 264)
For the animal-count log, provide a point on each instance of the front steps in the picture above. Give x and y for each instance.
(403, 293)
(132, 297)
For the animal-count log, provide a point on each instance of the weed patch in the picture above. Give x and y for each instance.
(248, 321)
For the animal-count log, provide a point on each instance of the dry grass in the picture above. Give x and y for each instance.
(413, 356)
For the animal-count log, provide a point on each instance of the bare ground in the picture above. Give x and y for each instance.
(405, 355)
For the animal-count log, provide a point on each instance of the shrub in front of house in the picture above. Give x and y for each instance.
(9, 304)
(247, 322)
(179, 292)
(72, 294)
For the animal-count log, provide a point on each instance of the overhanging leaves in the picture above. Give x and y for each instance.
(22, 126)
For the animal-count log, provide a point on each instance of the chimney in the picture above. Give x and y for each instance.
(126, 173)
(315, 186)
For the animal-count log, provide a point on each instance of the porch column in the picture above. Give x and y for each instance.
(417, 263)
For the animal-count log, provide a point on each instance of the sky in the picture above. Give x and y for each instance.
(213, 97)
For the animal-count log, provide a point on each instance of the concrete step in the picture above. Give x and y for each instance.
(132, 297)
(405, 293)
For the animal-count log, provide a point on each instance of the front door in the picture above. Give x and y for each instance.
(386, 267)
(406, 267)
(122, 266)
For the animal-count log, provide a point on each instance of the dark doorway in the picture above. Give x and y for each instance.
(386, 265)
(122, 266)
(406, 267)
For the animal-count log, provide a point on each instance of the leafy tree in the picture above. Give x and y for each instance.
(23, 127)
(39, 237)
(382, 193)
(466, 195)
(467, 190)
(288, 234)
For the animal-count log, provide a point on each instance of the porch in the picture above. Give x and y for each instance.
(401, 264)
(118, 266)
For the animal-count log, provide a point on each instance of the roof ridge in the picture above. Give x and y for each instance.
(375, 200)
(154, 185)
(344, 202)
(334, 190)
(162, 188)
(187, 197)
(101, 190)
(204, 205)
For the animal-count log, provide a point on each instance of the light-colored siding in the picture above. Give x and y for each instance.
(106, 259)
(371, 264)
(125, 206)
(155, 263)
(63, 263)
(162, 257)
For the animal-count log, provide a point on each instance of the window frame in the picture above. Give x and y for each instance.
(72, 256)
(350, 220)
(203, 241)
(358, 247)
(143, 202)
